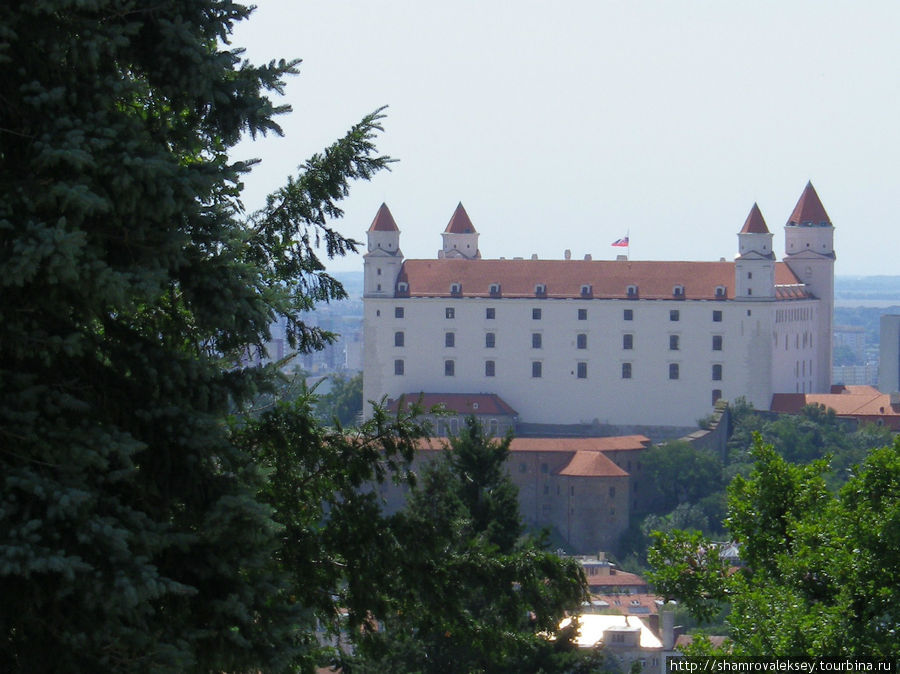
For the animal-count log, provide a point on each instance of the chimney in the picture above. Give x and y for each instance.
(667, 620)
(587, 256)
(534, 256)
(568, 254)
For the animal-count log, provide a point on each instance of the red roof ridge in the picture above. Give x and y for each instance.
(755, 223)
(460, 222)
(809, 210)
(384, 221)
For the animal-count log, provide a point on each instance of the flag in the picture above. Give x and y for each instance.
(621, 243)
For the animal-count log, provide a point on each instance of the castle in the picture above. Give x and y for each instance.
(603, 341)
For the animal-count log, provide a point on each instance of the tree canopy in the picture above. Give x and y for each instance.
(820, 574)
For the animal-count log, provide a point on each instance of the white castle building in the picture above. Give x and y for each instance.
(613, 342)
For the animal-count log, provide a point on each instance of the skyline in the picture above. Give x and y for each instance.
(572, 126)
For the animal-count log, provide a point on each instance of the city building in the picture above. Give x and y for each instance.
(603, 341)
(864, 404)
(889, 354)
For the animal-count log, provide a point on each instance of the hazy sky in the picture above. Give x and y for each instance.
(567, 124)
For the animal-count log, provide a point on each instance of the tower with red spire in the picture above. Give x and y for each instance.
(460, 237)
(382, 262)
(754, 267)
(809, 252)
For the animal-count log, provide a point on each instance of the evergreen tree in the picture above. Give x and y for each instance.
(132, 532)
(470, 592)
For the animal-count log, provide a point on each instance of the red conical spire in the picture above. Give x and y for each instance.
(384, 221)
(460, 223)
(809, 210)
(755, 224)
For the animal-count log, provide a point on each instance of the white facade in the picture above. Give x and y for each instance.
(614, 342)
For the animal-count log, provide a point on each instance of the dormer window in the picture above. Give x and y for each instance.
(721, 291)
(403, 287)
(678, 291)
(495, 290)
(540, 289)
(456, 289)
(586, 291)
(632, 290)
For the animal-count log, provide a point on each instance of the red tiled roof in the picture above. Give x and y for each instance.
(617, 579)
(809, 209)
(460, 222)
(586, 447)
(755, 224)
(609, 279)
(384, 221)
(865, 403)
(461, 403)
(590, 464)
(638, 603)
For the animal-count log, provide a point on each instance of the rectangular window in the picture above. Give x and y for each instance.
(674, 315)
(398, 312)
(398, 366)
(717, 343)
(582, 370)
(716, 395)
(628, 341)
(536, 369)
(523, 467)
(490, 340)
(673, 342)
(717, 316)
(536, 314)
(449, 368)
(449, 339)
(490, 313)
(628, 315)
(545, 468)
(582, 314)
(535, 340)
(398, 338)
(612, 492)
(489, 368)
(673, 371)
(581, 341)
(450, 312)
(626, 370)
(717, 372)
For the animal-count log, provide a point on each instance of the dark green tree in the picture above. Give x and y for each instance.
(133, 534)
(344, 402)
(681, 473)
(821, 568)
(470, 592)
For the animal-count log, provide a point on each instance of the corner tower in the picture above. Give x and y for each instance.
(754, 268)
(382, 262)
(460, 237)
(809, 252)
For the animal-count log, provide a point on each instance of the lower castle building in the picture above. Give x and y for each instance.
(603, 341)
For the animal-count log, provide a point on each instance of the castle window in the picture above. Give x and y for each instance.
(495, 289)
(378, 287)
(490, 313)
(749, 274)
(673, 342)
(403, 287)
(626, 370)
(489, 368)
(720, 291)
(456, 289)
(749, 291)
(716, 395)
(674, 315)
(535, 314)
(449, 368)
(545, 468)
(628, 315)
(536, 369)
(673, 371)
(717, 316)
(535, 340)
(450, 312)
(398, 338)
(678, 291)
(631, 291)
(612, 492)
(628, 341)
(582, 370)
(582, 314)
(449, 339)
(586, 291)
(398, 312)
(581, 340)
(490, 340)
(540, 289)
(398, 366)
(717, 372)
(378, 272)
(717, 343)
